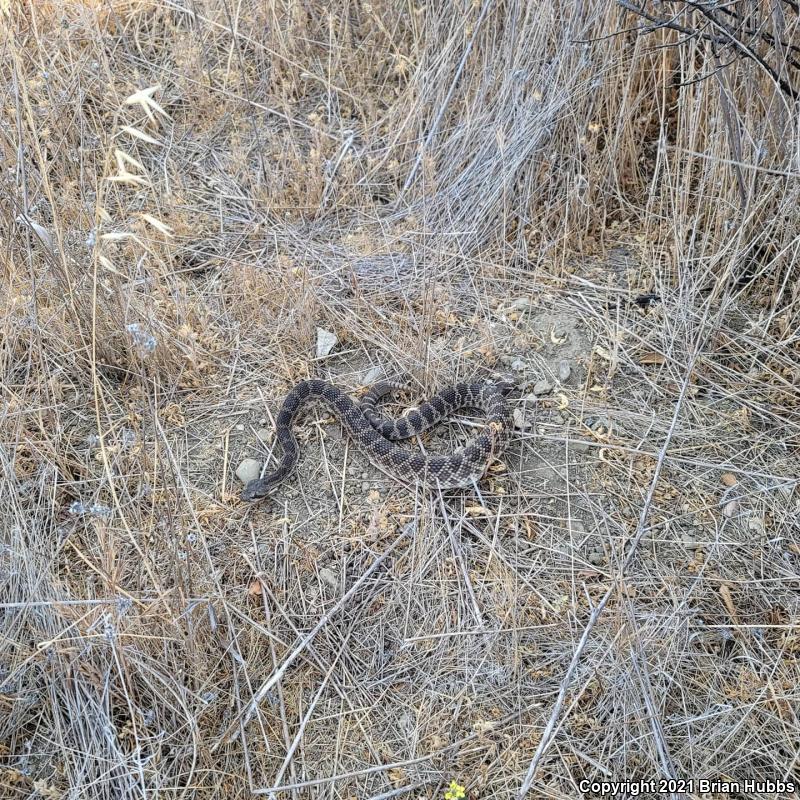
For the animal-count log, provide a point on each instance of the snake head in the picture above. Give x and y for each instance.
(256, 489)
(506, 383)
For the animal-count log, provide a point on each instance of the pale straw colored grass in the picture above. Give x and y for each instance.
(190, 191)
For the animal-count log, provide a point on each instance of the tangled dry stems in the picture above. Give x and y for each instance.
(190, 192)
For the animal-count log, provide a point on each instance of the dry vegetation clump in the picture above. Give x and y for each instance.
(599, 197)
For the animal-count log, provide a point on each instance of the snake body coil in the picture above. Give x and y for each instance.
(375, 434)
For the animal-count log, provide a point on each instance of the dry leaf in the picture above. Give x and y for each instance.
(118, 236)
(158, 224)
(397, 776)
(144, 98)
(136, 133)
(477, 511)
(126, 177)
(602, 352)
(123, 158)
(652, 358)
(727, 599)
(729, 479)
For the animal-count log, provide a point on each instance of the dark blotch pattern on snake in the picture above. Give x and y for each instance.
(376, 435)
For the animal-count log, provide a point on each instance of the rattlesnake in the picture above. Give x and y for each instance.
(376, 435)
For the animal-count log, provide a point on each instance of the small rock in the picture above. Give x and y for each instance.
(506, 360)
(407, 722)
(365, 486)
(596, 558)
(329, 576)
(579, 446)
(240, 427)
(756, 524)
(326, 341)
(690, 540)
(576, 525)
(264, 435)
(542, 387)
(521, 304)
(564, 370)
(518, 365)
(520, 421)
(248, 470)
(372, 375)
(728, 478)
(730, 508)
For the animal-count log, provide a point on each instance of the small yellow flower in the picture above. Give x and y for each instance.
(455, 792)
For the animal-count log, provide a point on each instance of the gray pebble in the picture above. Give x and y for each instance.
(248, 470)
(264, 435)
(564, 370)
(730, 508)
(518, 365)
(542, 387)
(596, 558)
(520, 420)
(407, 722)
(576, 525)
(329, 576)
(365, 486)
(326, 341)
(579, 447)
(690, 540)
(372, 375)
(756, 524)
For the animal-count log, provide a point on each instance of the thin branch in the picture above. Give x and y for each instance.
(725, 37)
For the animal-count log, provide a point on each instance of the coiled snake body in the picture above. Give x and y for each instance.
(375, 434)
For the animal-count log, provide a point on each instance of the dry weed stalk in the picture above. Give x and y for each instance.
(188, 192)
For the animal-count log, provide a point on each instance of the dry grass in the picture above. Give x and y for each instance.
(188, 192)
